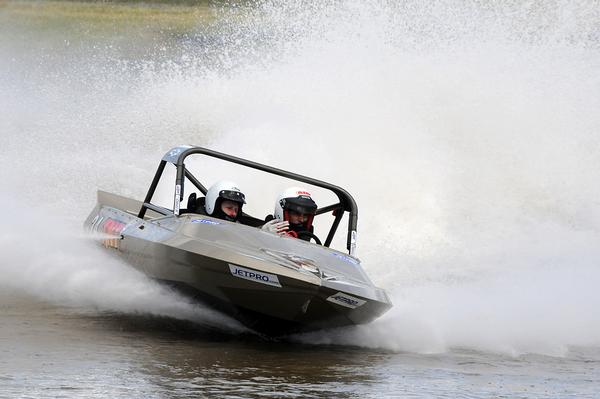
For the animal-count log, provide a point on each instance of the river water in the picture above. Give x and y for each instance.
(467, 132)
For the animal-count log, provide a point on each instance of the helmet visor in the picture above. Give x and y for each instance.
(304, 205)
(230, 195)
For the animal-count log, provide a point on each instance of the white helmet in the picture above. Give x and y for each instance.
(295, 199)
(223, 190)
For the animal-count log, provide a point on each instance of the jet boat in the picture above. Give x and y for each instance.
(273, 284)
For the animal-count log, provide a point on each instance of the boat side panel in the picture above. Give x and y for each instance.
(211, 280)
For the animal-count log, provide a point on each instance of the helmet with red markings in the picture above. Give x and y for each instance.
(298, 200)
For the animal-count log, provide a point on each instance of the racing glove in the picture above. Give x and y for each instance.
(276, 226)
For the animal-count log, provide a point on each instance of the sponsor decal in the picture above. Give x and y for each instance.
(174, 152)
(254, 275)
(346, 300)
(303, 193)
(177, 198)
(346, 258)
(173, 155)
(205, 221)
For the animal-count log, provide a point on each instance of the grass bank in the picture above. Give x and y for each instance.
(172, 16)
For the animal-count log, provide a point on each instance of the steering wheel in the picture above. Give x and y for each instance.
(310, 235)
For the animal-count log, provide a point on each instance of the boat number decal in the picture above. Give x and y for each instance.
(346, 300)
(253, 275)
(205, 221)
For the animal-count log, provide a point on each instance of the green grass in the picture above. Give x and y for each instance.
(178, 16)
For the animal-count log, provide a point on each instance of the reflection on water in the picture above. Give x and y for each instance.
(49, 352)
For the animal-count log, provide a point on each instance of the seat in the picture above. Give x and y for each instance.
(194, 205)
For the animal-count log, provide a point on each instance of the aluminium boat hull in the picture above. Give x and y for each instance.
(272, 284)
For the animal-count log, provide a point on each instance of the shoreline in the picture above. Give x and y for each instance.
(182, 15)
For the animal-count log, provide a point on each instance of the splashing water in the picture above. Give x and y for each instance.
(52, 260)
(467, 133)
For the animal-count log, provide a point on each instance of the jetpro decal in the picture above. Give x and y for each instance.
(346, 300)
(205, 221)
(253, 275)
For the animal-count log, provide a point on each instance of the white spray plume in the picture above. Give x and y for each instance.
(52, 260)
(468, 136)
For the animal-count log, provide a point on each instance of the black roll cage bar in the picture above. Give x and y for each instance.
(177, 156)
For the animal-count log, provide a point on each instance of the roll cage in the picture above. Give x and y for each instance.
(177, 156)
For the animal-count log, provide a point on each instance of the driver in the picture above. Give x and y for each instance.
(294, 213)
(224, 200)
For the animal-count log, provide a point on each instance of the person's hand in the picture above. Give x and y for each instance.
(276, 226)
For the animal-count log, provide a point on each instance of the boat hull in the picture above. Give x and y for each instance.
(254, 276)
